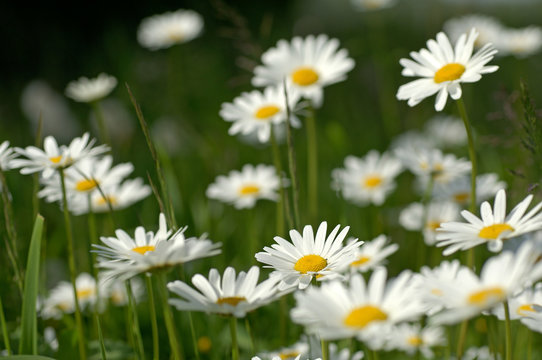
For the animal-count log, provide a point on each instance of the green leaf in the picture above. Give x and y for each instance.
(28, 357)
(29, 336)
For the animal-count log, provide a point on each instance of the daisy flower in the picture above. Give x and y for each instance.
(501, 277)
(6, 156)
(442, 69)
(54, 157)
(308, 65)
(119, 196)
(62, 301)
(480, 353)
(525, 306)
(89, 90)
(85, 177)
(256, 112)
(367, 180)
(489, 29)
(229, 295)
(353, 309)
(300, 348)
(373, 253)
(521, 42)
(371, 5)
(493, 228)
(430, 283)
(416, 217)
(309, 255)
(432, 163)
(165, 30)
(446, 131)
(458, 190)
(412, 140)
(124, 257)
(115, 291)
(243, 188)
(411, 338)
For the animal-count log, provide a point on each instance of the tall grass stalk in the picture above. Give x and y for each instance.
(5, 333)
(325, 349)
(233, 332)
(312, 165)
(133, 323)
(73, 271)
(292, 162)
(168, 317)
(283, 205)
(102, 128)
(154, 322)
(508, 331)
(103, 352)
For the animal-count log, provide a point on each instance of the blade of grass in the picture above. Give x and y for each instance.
(29, 336)
(4, 328)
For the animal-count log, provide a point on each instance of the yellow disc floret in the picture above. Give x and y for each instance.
(449, 72)
(363, 316)
(312, 263)
(266, 112)
(304, 76)
(492, 232)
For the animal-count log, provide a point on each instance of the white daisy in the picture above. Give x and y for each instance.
(309, 255)
(307, 64)
(165, 30)
(411, 338)
(256, 112)
(458, 190)
(118, 196)
(367, 180)
(243, 188)
(501, 277)
(300, 348)
(338, 311)
(90, 90)
(85, 177)
(493, 228)
(371, 5)
(480, 353)
(432, 163)
(443, 68)
(416, 217)
(373, 253)
(124, 257)
(525, 306)
(230, 295)
(521, 42)
(446, 131)
(489, 29)
(115, 291)
(412, 140)
(61, 300)
(7, 155)
(54, 157)
(430, 283)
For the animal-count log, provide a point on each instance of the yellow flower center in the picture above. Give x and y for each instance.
(231, 300)
(304, 76)
(55, 159)
(433, 225)
(175, 36)
(449, 72)
(362, 260)
(415, 341)
(249, 190)
(204, 344)
(492, 232)
(266, 112)
(311, 263)
(436, 292)
(117, 297)
(108, 198)
(461, 197)
(84, 294)
(483, 297)
(143, 249)
(372, 181)
(86, 185)
(288, 355)
(523, 309)
(363, 316)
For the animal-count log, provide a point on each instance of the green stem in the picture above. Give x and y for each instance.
(250, 335)
(292, 162)
(134, 322)
(102, 128)
(233, 331)
(283, 205)
(312, 166)
(168, 317)
(529, 345)
(71, 263)
(283, 319)
(325, 349)
(462, 338)
(154, 323)
(5, 333)
(100, 336)
(194, 338)
(472, 153)
(375, 354)
(508, 332)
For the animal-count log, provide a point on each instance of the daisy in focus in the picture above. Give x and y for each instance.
(54, 157)
(442, 69)
(226, 295)
(309, 255)
(168, 29)
(256, 112)
(90, 90)
(357, 308)
(416, 217)
(308, 65)
(501, 277)
(367, 180)
(373, 253)
(123, 257)
(458, 190)
(411, 338)
(493, 228)
(243, 188)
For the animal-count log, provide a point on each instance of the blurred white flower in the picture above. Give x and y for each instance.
(165, 30)
(373, 253)
(371, 5)
(446, 131)
(458, 190)
(416, 217)
(411, 338)
(89, 90)
(489, 29)
(61, 299)
(521, 42)
(7, 154)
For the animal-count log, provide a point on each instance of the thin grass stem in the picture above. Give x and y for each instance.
(133, 320)
(168, 317)
(325, 349)
(312, 165)
(233, 332)
(154, 322)
(508, 331)
(462, 337)
(100, 119)
(283, 205)
(5, 333)
(103, 352)
(292, 162)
